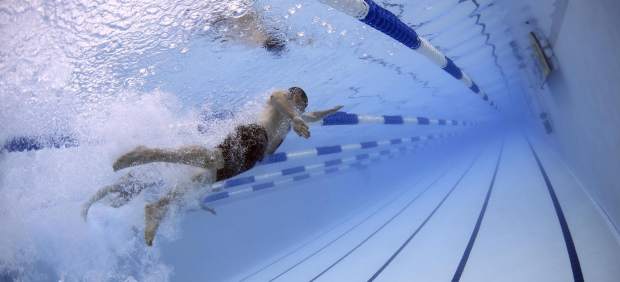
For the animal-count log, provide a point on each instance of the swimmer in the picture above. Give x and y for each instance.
(251, 30)
(239, 152)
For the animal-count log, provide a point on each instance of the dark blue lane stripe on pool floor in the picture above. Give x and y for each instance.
(335, 226)
(474, 234)
(307, 243)
(402, 247)
(360, 223)
(399, 212)
(568, 239)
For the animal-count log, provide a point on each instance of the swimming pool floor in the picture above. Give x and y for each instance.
(490, 216)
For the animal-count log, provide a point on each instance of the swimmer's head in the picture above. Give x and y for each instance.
(274, 44)
(299, 98)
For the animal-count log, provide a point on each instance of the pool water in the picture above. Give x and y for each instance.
(489, 197)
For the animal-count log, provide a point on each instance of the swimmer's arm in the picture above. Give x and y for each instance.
(319, 115)
(282, 104)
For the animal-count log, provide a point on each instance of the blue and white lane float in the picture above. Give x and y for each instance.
(272, 184)
(35, 143)
(60, 141)
(368, 12)
(300, 173)
(335, 149)
(245, 180)
(344, 118)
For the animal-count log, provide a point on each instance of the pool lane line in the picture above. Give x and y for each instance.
(474, 234)
(357, 146)
(418, 195)
(568, 238)
(300, 175)
(252, 179)
(387, 203)
(321, 235)
(377, 17)
(403, 209)
(345, 118)
(397, 252)
(26, 143)
(329, 230)
(220, 190)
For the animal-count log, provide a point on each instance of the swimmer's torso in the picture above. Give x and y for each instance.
(276, 124)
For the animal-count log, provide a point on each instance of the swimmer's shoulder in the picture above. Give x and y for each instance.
(275, 95)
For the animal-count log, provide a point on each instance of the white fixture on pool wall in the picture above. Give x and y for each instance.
(542, 54)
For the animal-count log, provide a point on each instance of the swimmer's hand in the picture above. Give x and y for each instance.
(332, 110)
(300, 127)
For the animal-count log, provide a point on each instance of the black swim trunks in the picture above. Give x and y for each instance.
(242, 150)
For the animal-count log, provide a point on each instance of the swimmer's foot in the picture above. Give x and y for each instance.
(209, 209)
(95, 198)
(136, 157)
(153, 214)
(84, 212)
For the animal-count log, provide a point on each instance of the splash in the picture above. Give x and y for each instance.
(72, 67)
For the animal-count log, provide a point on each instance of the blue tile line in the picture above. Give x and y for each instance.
(474, 234)
(568, 238)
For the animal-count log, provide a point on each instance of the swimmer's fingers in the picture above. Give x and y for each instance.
(302, 132)
(334, 109)
(301, 128)
(305, 133)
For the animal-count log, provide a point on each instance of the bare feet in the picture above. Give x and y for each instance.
(135, 157)
(101, 193)
(210, 209)
(153, 214)
(85, 208)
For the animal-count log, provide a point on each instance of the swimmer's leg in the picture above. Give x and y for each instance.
(127, 188)
(190, 155)
(98, 196)
(155, 212)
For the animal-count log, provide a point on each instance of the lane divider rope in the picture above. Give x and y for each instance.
(300, 173)
(344, 118)
(244, 180)
(335, 149)
(368, 12)
(63, 141)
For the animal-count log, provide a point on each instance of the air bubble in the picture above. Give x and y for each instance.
(152, 10)
(166, 20)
